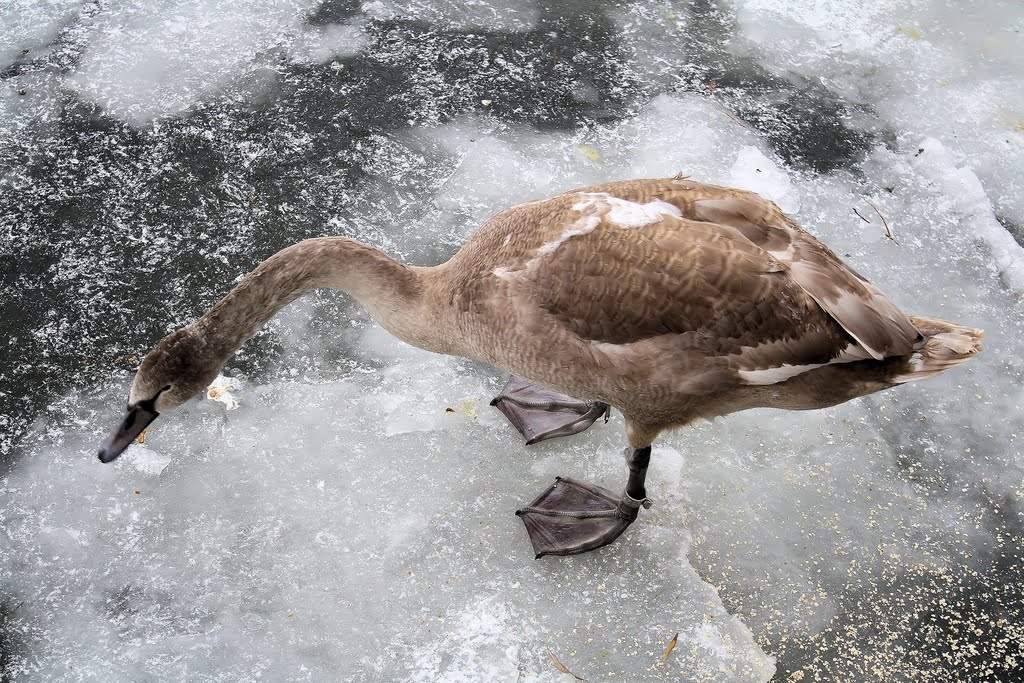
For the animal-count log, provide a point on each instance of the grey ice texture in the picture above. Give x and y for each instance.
(352, 519)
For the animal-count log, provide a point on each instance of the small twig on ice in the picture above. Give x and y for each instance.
(859, 216)
(671, 646)
(888, 232)
(562, 667)
(728, 113)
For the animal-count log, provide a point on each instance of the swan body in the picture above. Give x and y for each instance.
(672, 300)
(668, 299)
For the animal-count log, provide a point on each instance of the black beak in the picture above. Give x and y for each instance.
(137, 419)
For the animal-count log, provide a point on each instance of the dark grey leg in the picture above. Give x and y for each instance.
(635, 496)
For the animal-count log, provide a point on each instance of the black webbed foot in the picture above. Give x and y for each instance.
(541, 414)
(573, 517)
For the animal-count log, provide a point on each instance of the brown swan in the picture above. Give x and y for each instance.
(668, 299)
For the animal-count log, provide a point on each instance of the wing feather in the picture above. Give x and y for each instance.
(718, 280)
(862, 309)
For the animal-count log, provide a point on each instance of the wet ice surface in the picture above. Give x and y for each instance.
(341, 519)
(355, 527)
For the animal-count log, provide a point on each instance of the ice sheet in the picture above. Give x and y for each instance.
(304, 526)
(342, 521)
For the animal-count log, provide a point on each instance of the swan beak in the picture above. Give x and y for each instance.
(137, 419)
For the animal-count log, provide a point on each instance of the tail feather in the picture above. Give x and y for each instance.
(945, 345)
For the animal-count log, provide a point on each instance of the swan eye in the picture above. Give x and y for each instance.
(157, 394)
(149, 403)
(152, 402)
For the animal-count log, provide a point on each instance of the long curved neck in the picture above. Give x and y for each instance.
(392, 292)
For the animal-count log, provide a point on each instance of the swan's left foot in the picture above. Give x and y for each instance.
(573, 517)
(541, 414)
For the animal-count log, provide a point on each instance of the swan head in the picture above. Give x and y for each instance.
(177, 368)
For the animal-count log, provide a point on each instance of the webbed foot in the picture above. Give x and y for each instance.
(541, 414)
(573, 517)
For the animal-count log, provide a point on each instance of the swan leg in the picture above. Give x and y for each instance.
(541, 414)
(573, 517)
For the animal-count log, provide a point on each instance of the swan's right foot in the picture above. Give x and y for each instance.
(573, 517)
(541, 414)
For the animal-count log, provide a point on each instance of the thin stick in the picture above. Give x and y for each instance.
(728, 113)
(888, 232)
(562, 667)
(859, 216)
(671, 646)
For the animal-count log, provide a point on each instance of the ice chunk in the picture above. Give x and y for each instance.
(974, 208)
(480, 649)
(491, 169)
(146, 460)
(274, 524)
(419, 416)
(755, 172)
(30, 25)
(967, 68)
(147, 60)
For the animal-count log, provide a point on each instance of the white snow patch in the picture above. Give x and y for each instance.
(30, 25)
(323, 43)
(479, 648)
(958, 78)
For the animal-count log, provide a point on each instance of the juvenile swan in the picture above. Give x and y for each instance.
(667, 299)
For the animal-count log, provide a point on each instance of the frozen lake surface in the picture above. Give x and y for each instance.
(341, 523)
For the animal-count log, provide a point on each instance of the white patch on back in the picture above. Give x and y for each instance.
(627, 214)
(595, 206)
(582, 226)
